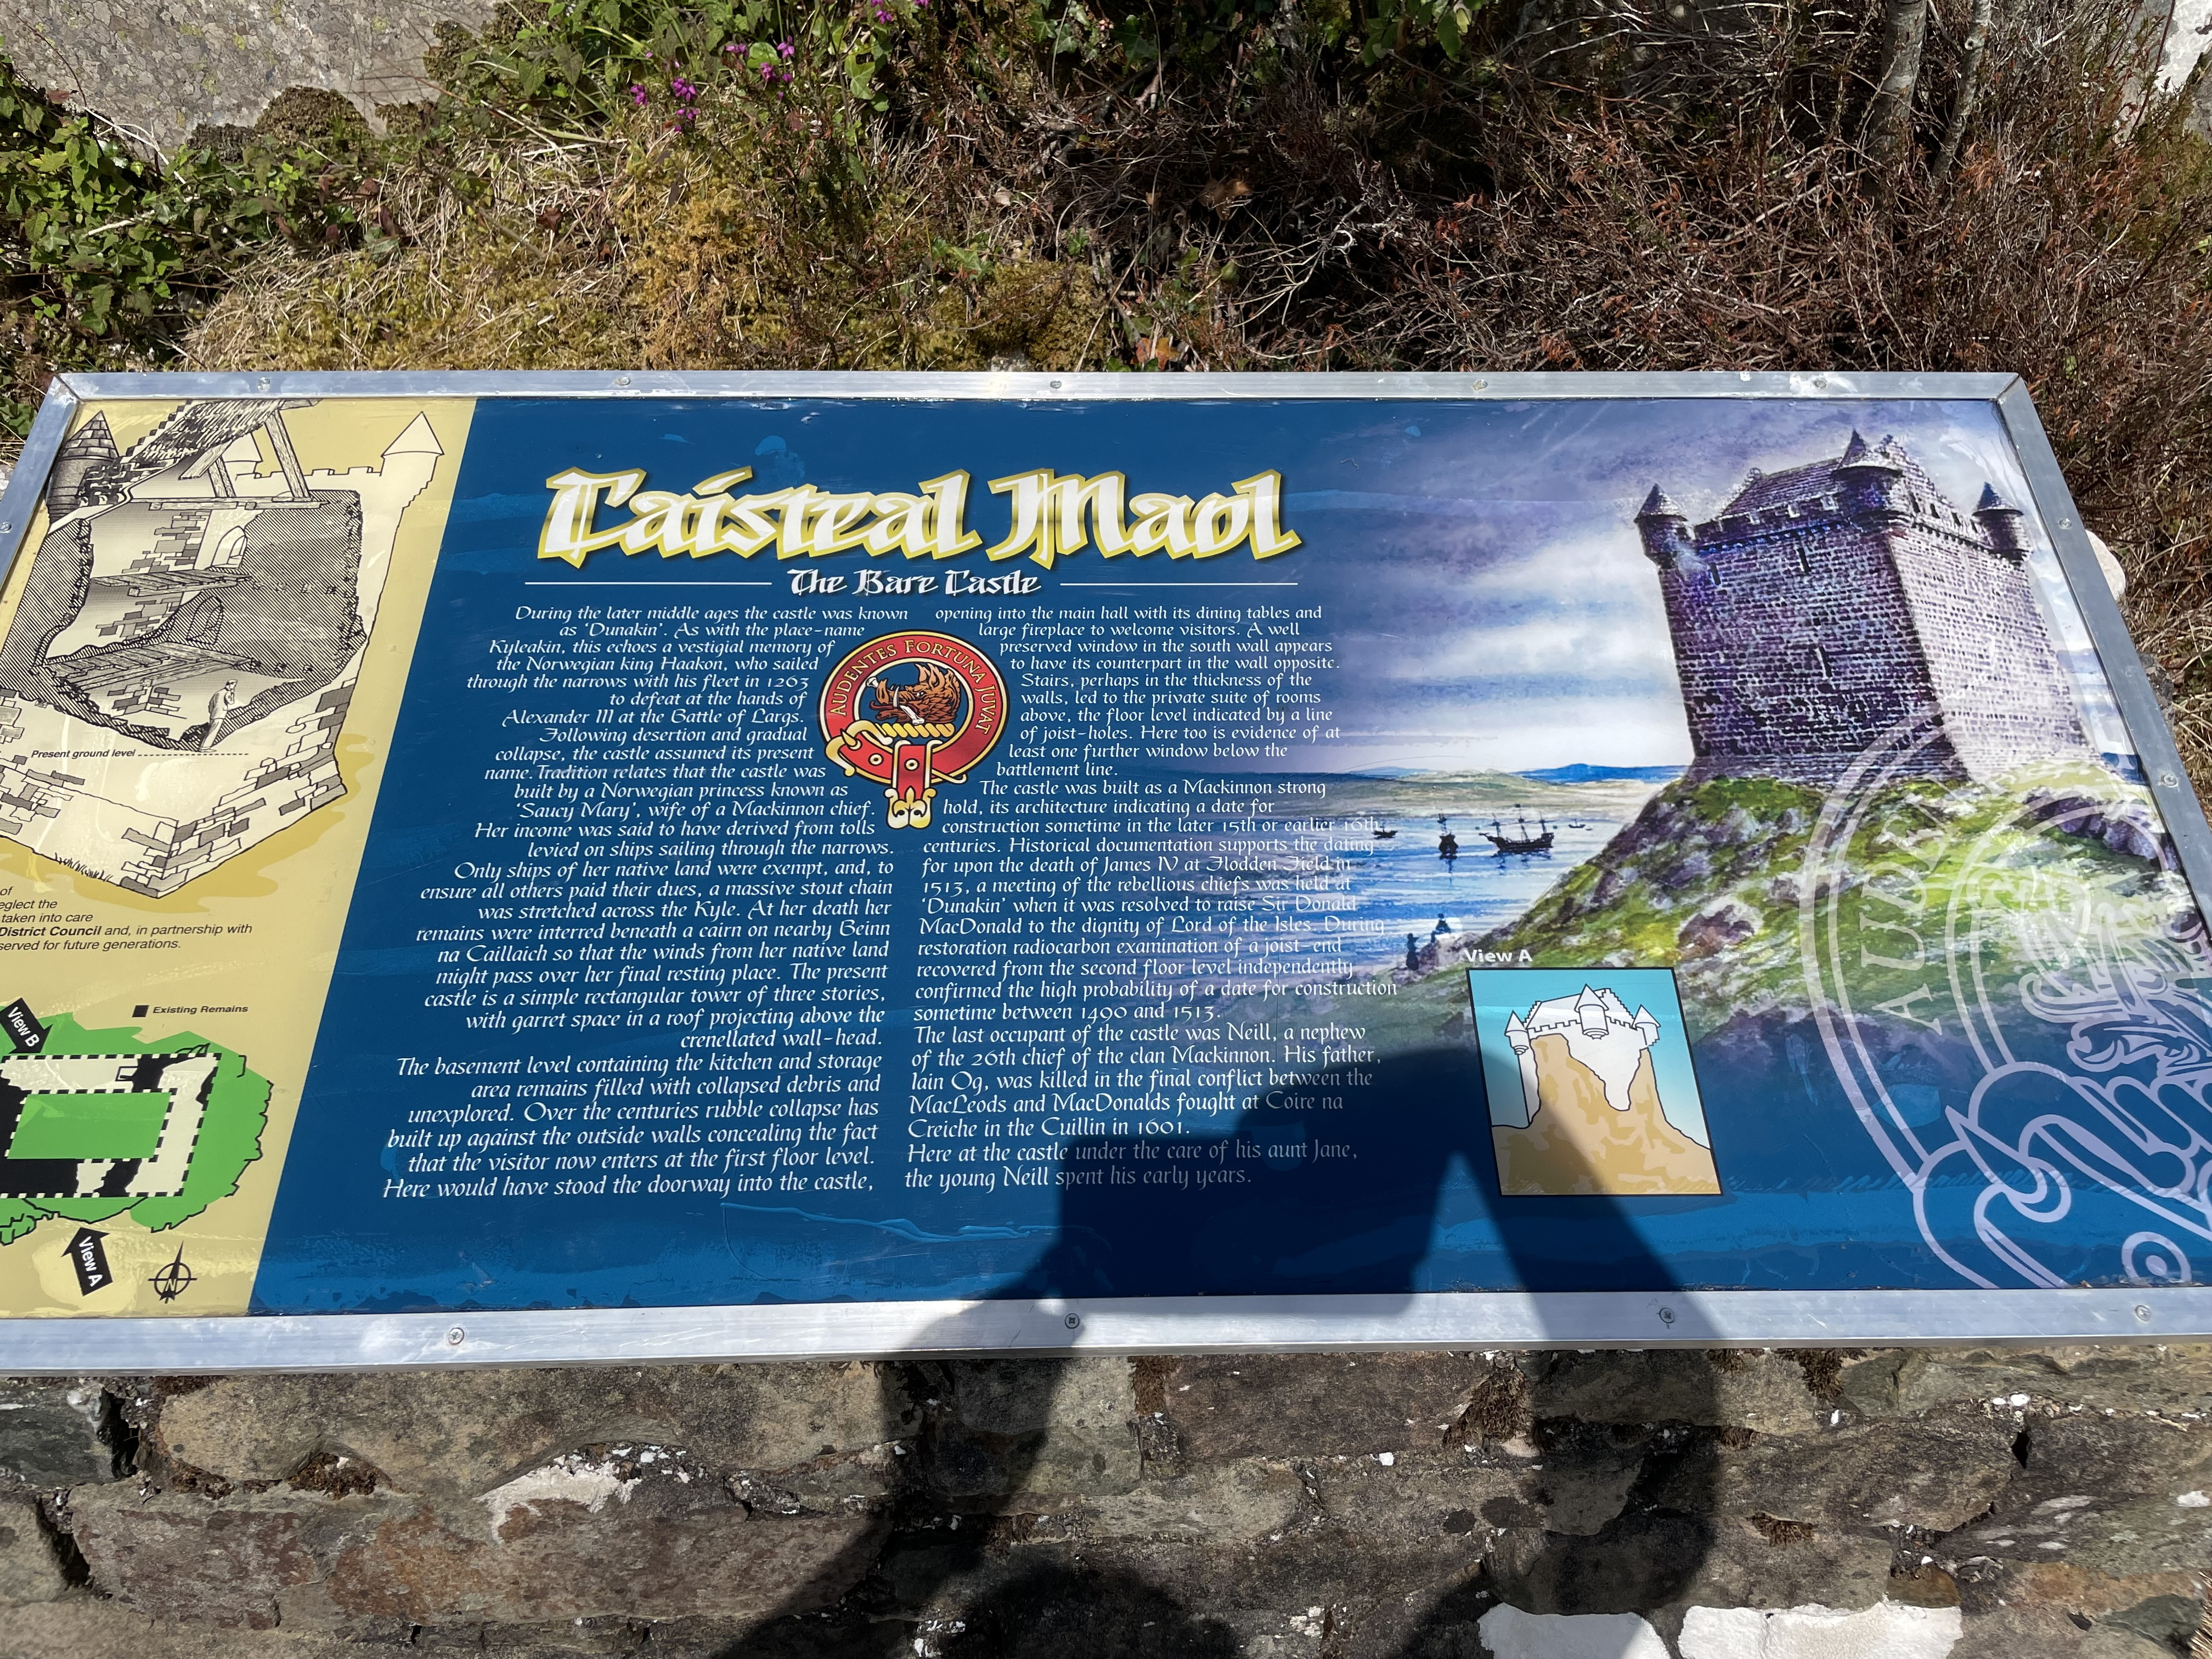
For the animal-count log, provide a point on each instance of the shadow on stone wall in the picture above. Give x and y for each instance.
(1969, 1502)
(1580, 1516)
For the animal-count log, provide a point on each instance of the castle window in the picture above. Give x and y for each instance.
(1827, 503)
(1804, 563)
(1812, 661)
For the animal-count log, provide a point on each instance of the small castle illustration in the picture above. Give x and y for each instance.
(1590, 1119)
(1826, 603)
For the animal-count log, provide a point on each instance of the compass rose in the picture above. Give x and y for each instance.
(174, 1280)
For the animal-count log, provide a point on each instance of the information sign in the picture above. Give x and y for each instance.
(529, 867)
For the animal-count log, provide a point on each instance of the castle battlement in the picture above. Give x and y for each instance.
(1826, 603)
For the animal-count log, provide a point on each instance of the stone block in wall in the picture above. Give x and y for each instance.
(1749, 1566)
(1763, 1391)
(1234, 1502)
(51, 1432)
(83, 1627)
(30, 1571)
(1008, 1426)
(584, 1537)
(2046, 1633)
(1641, 1562)
(1316, 1405)
(2164, 1609)
(2116, 1456)
(1428, 1496)
(446, 1431)
(162, 69)
(1044, 1603)
(2124, 1377)
(1938, 1475)
(2152, 1536)
(848, 1481)
(2121, 1494)
(1302, 1595)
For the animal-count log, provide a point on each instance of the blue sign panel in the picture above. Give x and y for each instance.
(751, 850)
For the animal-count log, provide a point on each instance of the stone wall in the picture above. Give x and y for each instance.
(1982, 1504)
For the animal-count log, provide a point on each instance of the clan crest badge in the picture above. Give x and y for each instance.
(911, 710)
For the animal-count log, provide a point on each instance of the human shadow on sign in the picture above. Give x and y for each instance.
(1002, 1544)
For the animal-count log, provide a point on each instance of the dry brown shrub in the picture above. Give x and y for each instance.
(744, 257)
(1618, 190)
(531, 273)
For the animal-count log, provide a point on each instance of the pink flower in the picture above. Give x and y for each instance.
(638, 95)
(783, 49)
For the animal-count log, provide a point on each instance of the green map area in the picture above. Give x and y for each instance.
(127, 1124)
(88, 1126)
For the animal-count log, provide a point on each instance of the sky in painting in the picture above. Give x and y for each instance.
(1511, 621)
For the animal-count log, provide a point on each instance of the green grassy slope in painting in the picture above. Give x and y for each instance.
(1720, 879)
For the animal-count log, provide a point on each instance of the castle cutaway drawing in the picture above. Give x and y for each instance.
(178, 669)
(1826, 605)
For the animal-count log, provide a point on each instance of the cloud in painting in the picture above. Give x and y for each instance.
(1493, 607)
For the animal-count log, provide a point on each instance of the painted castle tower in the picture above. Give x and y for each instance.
(1826, 603)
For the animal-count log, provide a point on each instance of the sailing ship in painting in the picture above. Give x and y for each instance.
(1524, 839)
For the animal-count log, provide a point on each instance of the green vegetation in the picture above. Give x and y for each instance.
(109, 256)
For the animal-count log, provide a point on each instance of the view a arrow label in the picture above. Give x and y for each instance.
(89, 1257)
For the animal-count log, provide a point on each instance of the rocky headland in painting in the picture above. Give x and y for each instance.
(1720, 880)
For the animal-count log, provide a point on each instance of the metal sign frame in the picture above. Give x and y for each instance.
(1159, 1325)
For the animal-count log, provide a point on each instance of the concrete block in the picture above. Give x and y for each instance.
(1886, 1631)
(49, 1432)
(1510, 1634)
